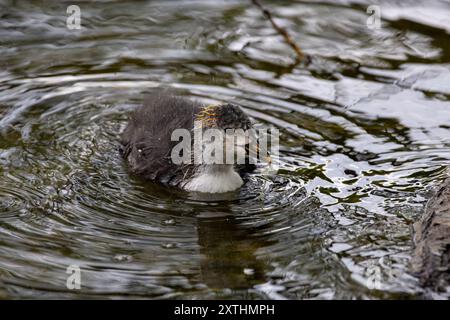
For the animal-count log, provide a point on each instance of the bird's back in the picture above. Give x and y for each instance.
(146, 141)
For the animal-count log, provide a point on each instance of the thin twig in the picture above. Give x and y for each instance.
(280, 30)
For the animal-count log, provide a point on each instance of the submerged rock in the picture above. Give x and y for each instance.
(431, 258)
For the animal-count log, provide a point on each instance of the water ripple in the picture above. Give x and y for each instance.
(360, 150)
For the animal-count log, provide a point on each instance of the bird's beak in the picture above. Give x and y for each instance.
(243, 144)
(267, 156)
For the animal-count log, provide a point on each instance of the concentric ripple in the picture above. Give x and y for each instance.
(365, 137)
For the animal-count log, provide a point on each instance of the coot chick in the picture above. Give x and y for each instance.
(147, 143)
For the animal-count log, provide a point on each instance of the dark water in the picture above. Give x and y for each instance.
(365, 138)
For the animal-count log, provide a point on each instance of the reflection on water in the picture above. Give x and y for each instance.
(365, 135)
(226, 246)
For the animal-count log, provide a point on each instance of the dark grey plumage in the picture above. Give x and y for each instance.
(146, 141)
(231, 116)
(431, 259)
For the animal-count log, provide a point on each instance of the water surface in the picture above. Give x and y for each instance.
(365, 136)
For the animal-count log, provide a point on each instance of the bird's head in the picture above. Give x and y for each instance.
(224, 116)
(234, 125)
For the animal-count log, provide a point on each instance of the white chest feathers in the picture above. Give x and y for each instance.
(213, 180)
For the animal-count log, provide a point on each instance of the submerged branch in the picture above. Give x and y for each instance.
(280, 30)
